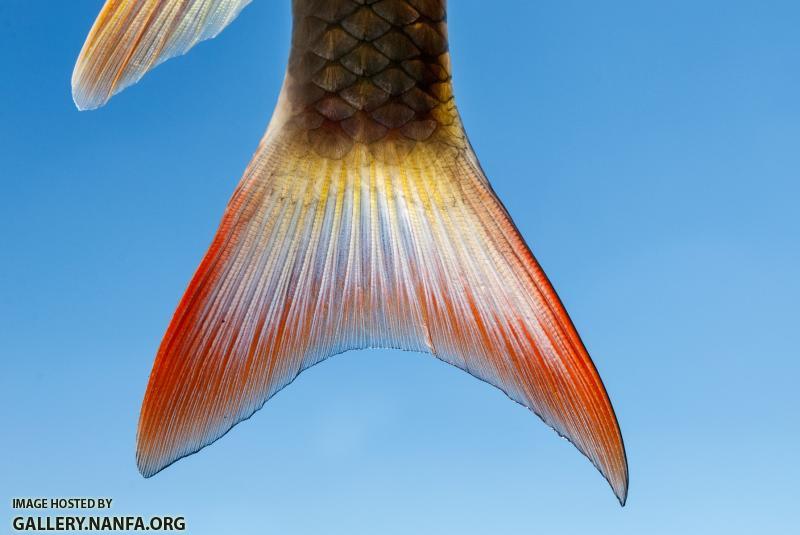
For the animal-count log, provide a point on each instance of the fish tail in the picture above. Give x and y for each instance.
(363, 220)
(316, 256)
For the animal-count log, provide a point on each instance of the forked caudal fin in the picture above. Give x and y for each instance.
(317, 256)
(364, 220)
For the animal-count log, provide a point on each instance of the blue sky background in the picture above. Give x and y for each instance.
(648, 151)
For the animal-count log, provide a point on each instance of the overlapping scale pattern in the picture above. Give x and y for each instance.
(375, 72)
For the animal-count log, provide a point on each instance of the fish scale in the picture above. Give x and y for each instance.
(371, 72)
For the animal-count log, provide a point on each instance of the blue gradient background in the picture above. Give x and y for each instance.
(649, 152)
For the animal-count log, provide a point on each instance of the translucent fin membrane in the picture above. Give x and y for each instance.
(130, 37)
(317, 256)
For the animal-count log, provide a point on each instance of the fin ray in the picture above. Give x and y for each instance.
(317, 256)
(130, 37)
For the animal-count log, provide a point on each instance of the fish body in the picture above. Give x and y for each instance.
(372, 74)
(363, 220)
